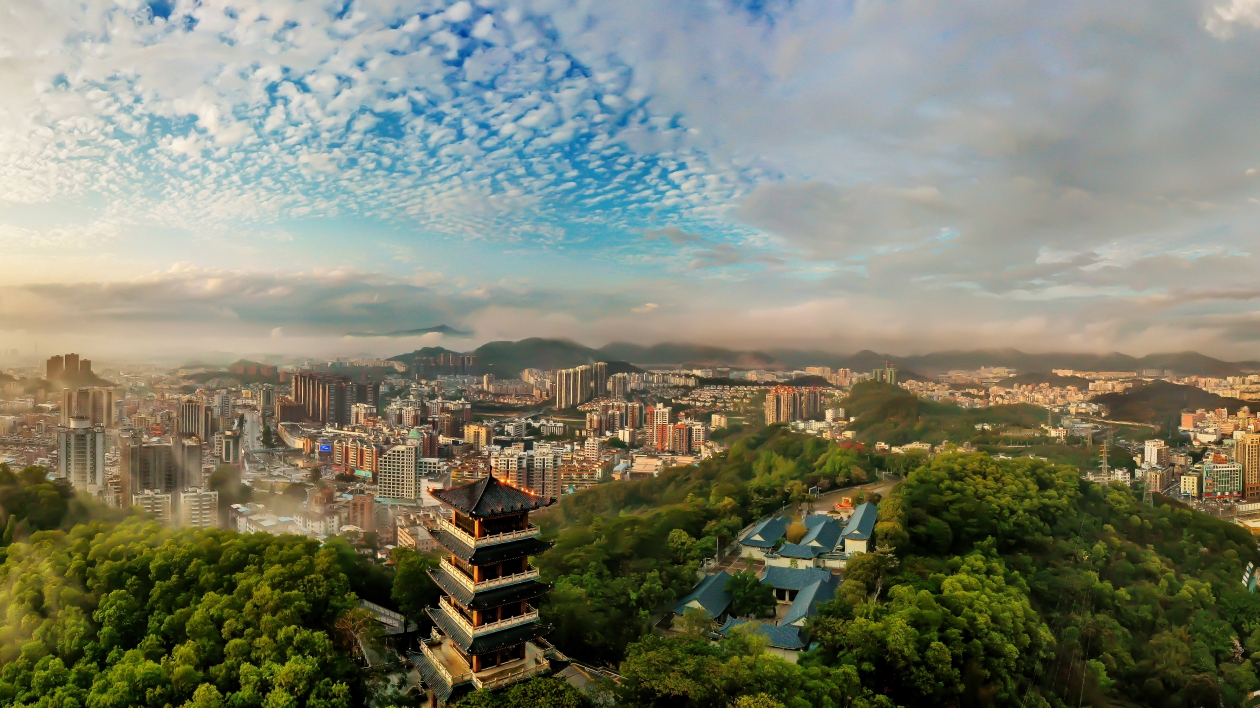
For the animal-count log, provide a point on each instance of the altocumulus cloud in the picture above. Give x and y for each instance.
(901, 174)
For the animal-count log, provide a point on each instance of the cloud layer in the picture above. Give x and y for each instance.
(904, 175)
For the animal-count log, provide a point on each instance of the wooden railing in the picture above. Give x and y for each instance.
(448, 526)
(475, 631)
(467, 582)
(513, 676)
(437, 664)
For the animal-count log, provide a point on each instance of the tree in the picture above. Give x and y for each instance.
(413, 590)
(267, 442)
(749, 596)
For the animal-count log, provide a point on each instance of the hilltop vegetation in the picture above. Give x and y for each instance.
(1160, 403)
(890, 414)
(1000, 582)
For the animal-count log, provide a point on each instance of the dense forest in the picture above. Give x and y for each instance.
(997, 582)
(890, 414)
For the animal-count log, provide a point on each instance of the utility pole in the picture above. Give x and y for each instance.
(1105, 470)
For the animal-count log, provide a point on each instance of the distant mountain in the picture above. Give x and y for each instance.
(508, 358)
(439, 329)
(681, 354)
(1161, 403)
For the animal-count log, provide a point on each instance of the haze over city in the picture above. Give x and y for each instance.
(262, 176)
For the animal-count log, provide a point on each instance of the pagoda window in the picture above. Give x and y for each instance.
(505, 524)
(465, 523)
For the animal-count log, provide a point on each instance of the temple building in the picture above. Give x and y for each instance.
(486, 632)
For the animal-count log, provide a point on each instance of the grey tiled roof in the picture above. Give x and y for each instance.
(781, 578)
(780, 636)
(710, 594)
(432, 677)
(861, 525)
(766, 533)
(486, 599)
(489, 497)
(808, 599)
(489, 555)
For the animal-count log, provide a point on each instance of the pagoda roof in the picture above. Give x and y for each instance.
(488, 555)
(486, 599)
(485, 643)
(432, 677)
(488, 497)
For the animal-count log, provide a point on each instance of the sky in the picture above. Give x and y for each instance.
(272, 177)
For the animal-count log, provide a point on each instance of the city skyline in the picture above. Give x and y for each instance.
(266, 176)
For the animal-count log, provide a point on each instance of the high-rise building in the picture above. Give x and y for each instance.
(573, 387)
(361, 413)
(599, 376)
(324, 398)
(194, 417)
(397, 473)
(478, 434)
(223, 404)
(1247, 453)
(231, 452)
(363, 512)
(55, 367)
(81, 455)
(619, 386)
(1155, 453)
(485, 625)
(199, 508)
(487, 381)
(785, 404)
(94, 403)
(187, 459)
(680, 439)
(148, 465)
(365, 392)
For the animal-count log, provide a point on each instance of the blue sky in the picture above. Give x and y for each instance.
(265, 176)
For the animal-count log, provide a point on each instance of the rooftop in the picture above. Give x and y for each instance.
(710, 595)
(489, 497)
(861, 525)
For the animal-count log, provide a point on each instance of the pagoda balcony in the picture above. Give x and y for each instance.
(447, 661)
(475, 631)
(475, 587)
(446, 525)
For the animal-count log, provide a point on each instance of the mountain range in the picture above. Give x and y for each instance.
(507, 359)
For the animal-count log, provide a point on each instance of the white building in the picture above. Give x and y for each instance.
(155, 504)
(81, 455)
(199, 508)
(396, 472)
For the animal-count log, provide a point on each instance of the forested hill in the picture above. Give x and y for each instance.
(891, 414)
(1161, 403)
(998, 582)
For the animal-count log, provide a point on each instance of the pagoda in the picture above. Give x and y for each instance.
(486, 632)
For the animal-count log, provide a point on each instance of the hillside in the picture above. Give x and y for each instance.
(893, 415)
(999, 582)
(548, 353)
(1052, 379)
(1161, 403)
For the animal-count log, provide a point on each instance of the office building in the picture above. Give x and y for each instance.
(188, 461)
(199, 508)
(231, 450)
(194, 417)
(361, 413)
(81, 455)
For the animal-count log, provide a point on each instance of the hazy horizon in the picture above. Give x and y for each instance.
(265, 176)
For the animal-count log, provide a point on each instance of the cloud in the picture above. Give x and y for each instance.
(673, 234)
(646, 308)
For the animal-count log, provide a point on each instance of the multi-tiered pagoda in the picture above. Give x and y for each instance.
(486, 632)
